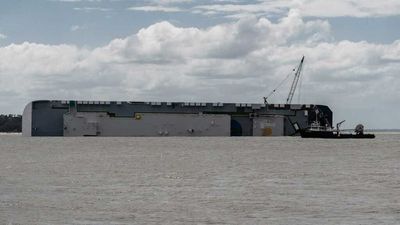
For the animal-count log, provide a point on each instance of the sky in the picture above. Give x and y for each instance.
(204, 51)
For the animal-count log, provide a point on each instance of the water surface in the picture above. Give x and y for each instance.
(174, 180)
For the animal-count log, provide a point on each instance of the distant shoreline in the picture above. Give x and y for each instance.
(382, 130)
(9, 133)
(367, 130)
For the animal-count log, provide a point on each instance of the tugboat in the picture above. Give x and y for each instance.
(317, 131)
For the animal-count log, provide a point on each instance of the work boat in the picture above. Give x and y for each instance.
(317, 131)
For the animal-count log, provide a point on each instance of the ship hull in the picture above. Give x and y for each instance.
(119, 118)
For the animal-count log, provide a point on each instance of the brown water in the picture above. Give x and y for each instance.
(285, 180)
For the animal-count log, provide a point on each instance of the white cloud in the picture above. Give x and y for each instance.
(350, 8)
(310, 8)
(77, 28)
(240, 61)
(168, 6)
(157, 8)
(3, 36)
(170, 2)
(92, 9)
(76, 0)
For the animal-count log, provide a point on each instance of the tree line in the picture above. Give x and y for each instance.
(10, 123)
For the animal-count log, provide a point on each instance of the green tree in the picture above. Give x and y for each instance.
(10, 123)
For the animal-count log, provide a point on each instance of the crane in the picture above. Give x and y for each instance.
(294, 84)
(295, 81)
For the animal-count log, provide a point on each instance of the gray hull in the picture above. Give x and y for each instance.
(114, 118)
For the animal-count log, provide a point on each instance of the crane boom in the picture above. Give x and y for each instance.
(295, 81)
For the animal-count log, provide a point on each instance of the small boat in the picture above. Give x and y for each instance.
(317, 131)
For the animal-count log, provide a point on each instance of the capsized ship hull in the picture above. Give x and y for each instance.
(128, 118)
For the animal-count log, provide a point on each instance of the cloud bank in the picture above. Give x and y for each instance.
(235, 62)
(308, 8)
(155, 9)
